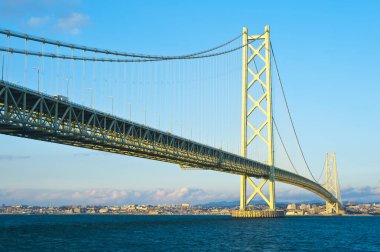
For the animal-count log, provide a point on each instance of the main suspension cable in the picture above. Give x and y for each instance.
(62, 56)
(323, 169)
(288, 110)
(277, 130)
(283, 145)
(110, 52)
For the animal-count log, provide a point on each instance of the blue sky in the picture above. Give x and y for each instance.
(328, 56)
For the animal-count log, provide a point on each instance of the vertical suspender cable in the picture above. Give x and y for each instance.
(277, 130)
(132, 96)
(161, 93)
(117, 87)
(171, 91)
(43, 66)
(182, 100)
(84, 80)
(73, 62)
(8, 56)
(200, 94)
(149, 92)
(138, 92)
(139, 101)
(101, 83)
(105, 86)
(213, 90)
(187, 97)
(176, 123)
(93, 83)
(144, 91)
(288, 110)
(155, 94)
(10, 60)
(199, 70)
(141, 93)
(180, 96)
(57, 72)
(51, 83)
(71, 74)
(26, 64)
(64, 79)
(201, 74)
(124, 88)
(152, 84)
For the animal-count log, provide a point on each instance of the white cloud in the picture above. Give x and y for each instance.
(38, 21)
(21, 8)
(361, 194)
(73, 22)
(110, 196)
(162, 196)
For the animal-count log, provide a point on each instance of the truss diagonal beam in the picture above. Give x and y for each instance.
(257, 190)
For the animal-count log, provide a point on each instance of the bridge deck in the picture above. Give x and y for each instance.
(30, 114)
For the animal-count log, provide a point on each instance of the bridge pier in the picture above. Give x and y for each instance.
(258, 214)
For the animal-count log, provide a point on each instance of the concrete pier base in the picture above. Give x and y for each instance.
(258, 214)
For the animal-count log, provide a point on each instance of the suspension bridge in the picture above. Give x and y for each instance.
(184, 109)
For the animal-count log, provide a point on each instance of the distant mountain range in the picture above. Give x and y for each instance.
(259, 202)
(278, 203)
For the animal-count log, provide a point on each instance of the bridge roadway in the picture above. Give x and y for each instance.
(30, 114)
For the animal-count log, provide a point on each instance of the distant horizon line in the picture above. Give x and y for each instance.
(209, 204)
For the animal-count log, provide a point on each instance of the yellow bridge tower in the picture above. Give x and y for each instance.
(332, 183)
(257, 47)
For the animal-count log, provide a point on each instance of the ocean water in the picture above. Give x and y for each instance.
(187, 233)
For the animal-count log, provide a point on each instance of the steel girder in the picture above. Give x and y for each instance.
(30, 114)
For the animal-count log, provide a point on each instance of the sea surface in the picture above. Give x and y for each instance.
(186, 233)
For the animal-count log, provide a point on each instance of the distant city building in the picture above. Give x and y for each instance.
(291, 207)
(103, 210)
(184, 209)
